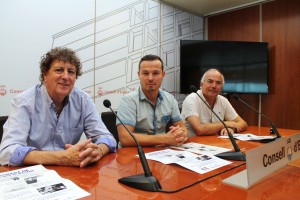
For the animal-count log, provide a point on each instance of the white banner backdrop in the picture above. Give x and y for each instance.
(110, 37)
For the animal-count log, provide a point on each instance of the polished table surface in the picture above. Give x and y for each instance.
(101, 179)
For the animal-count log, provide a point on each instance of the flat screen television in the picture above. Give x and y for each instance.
(243, 64)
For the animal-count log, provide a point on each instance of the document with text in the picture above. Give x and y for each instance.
(37, 183)
(250, 137)
(201, 148)
(199, 163)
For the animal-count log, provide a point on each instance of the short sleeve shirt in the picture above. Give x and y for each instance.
(193, 106)
(137, 111)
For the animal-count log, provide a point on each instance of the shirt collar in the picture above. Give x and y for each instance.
(142, 96)
(201, 94)
(48, 99)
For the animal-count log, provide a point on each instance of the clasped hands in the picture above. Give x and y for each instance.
(177, 135)
(223, 131)
(230, 126)
(82, 153)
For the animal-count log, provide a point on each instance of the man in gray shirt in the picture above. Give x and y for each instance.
(147, 111)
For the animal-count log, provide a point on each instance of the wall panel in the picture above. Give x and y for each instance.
(240, 25)
(280, 26)
(110, 38)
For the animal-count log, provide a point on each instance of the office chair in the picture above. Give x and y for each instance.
(2, 121)
(109, 119)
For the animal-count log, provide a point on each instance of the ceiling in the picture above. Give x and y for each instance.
(209, 7)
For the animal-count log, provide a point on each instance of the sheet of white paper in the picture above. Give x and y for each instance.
(197, 163)
(250, 136)
(201, 148)
(37, 182)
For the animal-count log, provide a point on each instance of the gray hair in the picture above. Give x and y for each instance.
(204, 75)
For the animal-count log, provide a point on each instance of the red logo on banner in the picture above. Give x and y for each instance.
(2, 90)
(100, 91)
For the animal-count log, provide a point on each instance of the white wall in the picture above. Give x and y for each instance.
(110, 37)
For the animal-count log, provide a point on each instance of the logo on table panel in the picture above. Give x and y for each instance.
(289, 149)
(3, 90)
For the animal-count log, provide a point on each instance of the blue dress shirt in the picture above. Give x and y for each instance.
(34, 125)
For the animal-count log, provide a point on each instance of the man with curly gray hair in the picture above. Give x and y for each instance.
(47, 120)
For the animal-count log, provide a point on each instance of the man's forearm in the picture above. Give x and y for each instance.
(45, 158)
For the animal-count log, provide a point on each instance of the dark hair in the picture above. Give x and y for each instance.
(151, 58)
(62, 54)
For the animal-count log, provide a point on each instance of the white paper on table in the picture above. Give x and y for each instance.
(250, 136)
(37, 182)
(197, 163)
(201, 148)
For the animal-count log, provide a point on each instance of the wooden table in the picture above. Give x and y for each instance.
(101, 179)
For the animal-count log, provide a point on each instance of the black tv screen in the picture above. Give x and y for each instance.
(243, 64)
